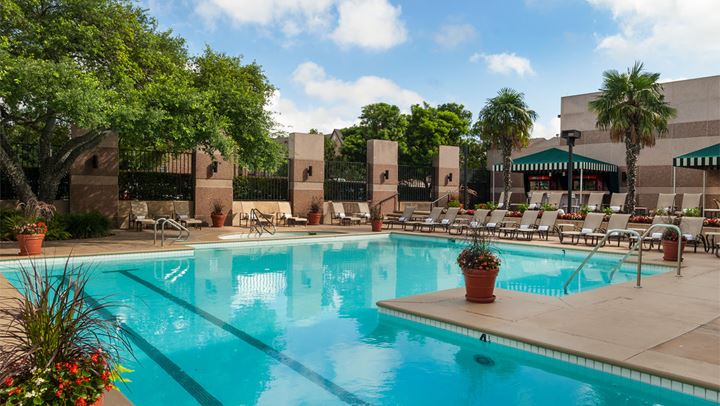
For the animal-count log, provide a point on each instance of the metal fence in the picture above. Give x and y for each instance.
(155, 175)
(252, 185)
(346, 181)
(415, 183)
(478, 183)
(27, 154)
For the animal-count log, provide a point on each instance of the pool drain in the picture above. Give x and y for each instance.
(483, 360)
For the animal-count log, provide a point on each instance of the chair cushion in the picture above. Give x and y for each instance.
(689, 237)
(474, 224)
(445, 221)
(401, 219)
(615, 208)
(524, 226)
(543, 228)
(586, 231)
(428, 220)
(491, 225)
(656, 236)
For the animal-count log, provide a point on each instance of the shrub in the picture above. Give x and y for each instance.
(453, 203)
(86, 225)
(522, 207)
(692, 212)
(584, 209)
(608, 211)
(9, 219)
(547, 207)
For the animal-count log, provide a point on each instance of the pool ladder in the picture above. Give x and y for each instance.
(162, 222)
(260, 223)
(633, 248)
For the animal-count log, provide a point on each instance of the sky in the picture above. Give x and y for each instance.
(328, 58)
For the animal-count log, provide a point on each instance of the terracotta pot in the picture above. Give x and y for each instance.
(376, 225)
(670, 250)
(30, 244)
(480, 285)
(313, 218)
(218, 220)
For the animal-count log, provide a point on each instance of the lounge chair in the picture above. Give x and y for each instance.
(554, 199)
(342, 218)
(501, 200)
(595, 201)
(497, 219)
(140, 216)
(617, 202)
(546, 226)
(690, 201)
(182, 214)
(405, 218)
(656, 235)
(692, 228)
(536, 198)
(617, 222)
(445, 222)
(287, 216)
(435, 214)
(665, 203)
(476, 222)
(363, 212)
(527, 222)
(247, 208)
(590, 225)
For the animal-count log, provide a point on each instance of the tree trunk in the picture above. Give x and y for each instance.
(632, 152)
(507, 172)
(15, 174)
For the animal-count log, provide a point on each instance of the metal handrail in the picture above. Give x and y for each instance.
(162, 222)
(433, 203)
(617, 231)
(260, 226)
(639, 244)
(393, 196)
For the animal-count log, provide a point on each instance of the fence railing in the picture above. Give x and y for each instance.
(415, 183)
(345, 181)
(253, 185)
(478, 183)
(27, 155)
(155, 175)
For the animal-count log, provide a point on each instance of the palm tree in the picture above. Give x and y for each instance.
(506, 122)
(632, 107)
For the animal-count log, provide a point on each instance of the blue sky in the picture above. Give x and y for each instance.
(330, 57)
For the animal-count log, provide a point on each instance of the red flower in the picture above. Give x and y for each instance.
(105, 375)
(95, 357)
(58, 366)
(108, 386)
(80, 402)
(73, 368)
(58, 393)
(8, 381)
(79, 381)
(14, 391)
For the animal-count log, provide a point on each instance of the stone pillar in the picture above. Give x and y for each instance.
(307, 170)
(213, 181)
(382, 159)
(446, 168)
(94, 178)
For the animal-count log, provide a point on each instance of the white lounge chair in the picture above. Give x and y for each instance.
(590, 225)
(617, 202)
(527, 222)
(287, 216)
(342, 218)
(405, 218)
(182, 214)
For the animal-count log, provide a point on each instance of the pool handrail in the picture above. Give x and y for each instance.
(260, 226)
(639, 244)
(162, 222)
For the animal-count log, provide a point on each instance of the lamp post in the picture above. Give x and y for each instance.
(570, 136)
(466, 153)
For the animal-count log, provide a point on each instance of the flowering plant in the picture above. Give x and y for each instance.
(478, 257)
(571, 216)
(671, 235)
(712, 222)
(38, 227)
(641, 219)
(514, 213)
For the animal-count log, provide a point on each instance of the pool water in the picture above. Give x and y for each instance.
(295, 323)
(277, 235)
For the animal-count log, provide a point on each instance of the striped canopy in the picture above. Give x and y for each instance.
(707, 157)
(555, 159)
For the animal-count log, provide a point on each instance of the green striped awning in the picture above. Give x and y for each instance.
(556, 159)
(702, 158)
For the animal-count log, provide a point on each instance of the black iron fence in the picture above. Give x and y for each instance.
(155, 175)
(346, 181)
(252, 185)
(478, 184)
(27, 155)
(415, 183)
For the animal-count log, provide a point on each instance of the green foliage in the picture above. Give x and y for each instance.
(57, 229)
(506, 121)
(547, 207)
(584, 210)
(692, 212)
(490, 205)
(522, 207)
(9, 220)
(453, 203)
(86, 225)
(260, 188)
(608, 211)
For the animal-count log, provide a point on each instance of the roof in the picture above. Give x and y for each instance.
(556, 159)
(702, 158)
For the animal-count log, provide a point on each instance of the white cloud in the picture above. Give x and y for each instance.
(662, 28)
(452, 35)
(548, 129)
(371, 24)
(505, 63)
(334, 103)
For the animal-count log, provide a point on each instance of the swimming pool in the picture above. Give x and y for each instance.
(295, 322)
(277, 235)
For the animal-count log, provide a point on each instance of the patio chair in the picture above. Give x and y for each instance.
(501, 200)
(363, 211)
(595, 201)
(527, 222)
(339, 214)
(617, 222)
(617, 202)
(690, 201)
(435, 214)
(247, 208)
(477, 221)
(545, 227)
(182, 214)
(665, 202)
(405, 218)
(535, 200)
(692, 229)
(139, 215)
(445, 222)
(590, 225)
(287, 216)
(497, 219)
(554, 199)
(656, 235)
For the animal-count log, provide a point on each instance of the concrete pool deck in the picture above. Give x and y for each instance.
(670, 327)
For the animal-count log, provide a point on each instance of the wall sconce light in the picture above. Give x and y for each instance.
(449, 177)
(386, 174)
(94, 162)
(215, 166)
(309, 170)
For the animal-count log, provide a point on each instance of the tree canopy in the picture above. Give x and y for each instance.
(103, 66)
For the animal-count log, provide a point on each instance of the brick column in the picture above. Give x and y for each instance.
(94, 178)
(446, 168)
(382, 159)
(307, 170)
(212, 182)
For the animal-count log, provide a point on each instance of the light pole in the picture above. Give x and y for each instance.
(466, 153)
(570, 136)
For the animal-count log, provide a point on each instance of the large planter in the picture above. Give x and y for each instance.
(480, 285)
(218, 220)
(313, 218)
(30, 244)
(670, 250)
(376, 225)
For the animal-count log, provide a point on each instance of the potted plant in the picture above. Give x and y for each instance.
(670, 240)
(376, 218)
(314, 215)
(58, 346)
(480, 267)
(30, 227)
(218, 214)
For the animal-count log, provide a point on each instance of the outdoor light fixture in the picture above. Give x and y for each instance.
(215, 165)
(309, 170)
(94, 162)
(386, 174)
(449, 177)
(570, 136)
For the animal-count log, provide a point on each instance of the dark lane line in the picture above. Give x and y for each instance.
(190, 385)
(298, 367)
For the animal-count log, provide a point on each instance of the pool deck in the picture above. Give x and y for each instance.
(670, 327)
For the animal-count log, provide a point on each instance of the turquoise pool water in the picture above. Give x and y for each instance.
(295, 323)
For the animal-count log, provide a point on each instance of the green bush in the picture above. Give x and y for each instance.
(692, 212)
(522, 207)
(86, 225)
(454, 203)
(57, 229)
(547, 207)
(8, 220)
